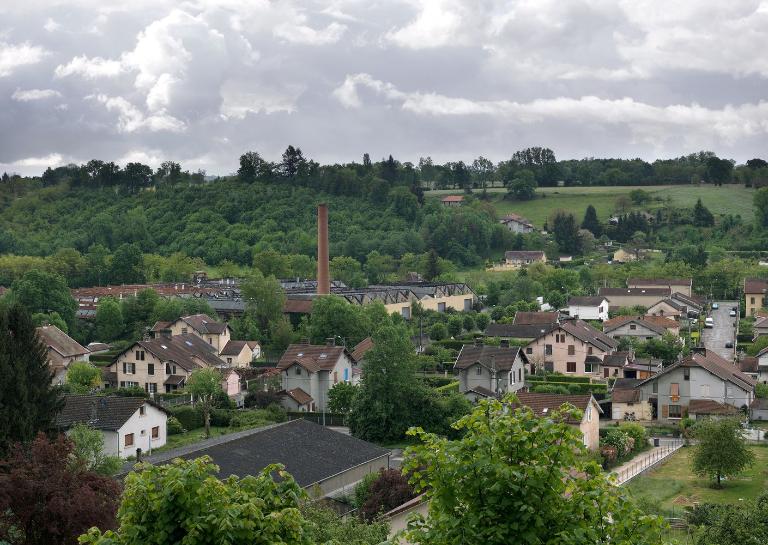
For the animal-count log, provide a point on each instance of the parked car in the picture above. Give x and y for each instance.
(715, 306)
(732, 313)
(709, 322)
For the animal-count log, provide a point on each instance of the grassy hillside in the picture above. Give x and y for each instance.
(720, 200)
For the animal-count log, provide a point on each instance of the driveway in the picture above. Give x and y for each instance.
(724, 331)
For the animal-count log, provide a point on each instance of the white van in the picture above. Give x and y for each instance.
(709, 322)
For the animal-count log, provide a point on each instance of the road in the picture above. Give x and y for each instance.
(724, 330)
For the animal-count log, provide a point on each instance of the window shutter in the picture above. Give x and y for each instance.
(125, 367)
(665, 411)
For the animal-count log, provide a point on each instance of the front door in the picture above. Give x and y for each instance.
(606, 372)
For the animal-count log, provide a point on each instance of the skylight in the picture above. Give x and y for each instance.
(300, 354)
(164, 347)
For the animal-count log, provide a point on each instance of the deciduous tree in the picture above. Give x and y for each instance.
(83, 377)
(205, 385)
(720, 450)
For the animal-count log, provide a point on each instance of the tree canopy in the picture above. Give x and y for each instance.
(720, 450)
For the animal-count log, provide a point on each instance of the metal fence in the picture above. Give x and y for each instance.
(646, 461)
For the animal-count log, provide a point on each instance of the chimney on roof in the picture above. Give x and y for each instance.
(504, 343)
(478, 341)
(330, 341)
(323, 267)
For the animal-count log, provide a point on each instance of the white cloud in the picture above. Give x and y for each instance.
(647, 122)
(51, 25)
(131, 119)
(239, 101)
(90, 68)
(439, 23)
(303, 34)
(36, 164)
(34, 94)
(13, 56)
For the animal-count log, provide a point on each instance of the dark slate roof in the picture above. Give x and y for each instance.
(316, 356)
(625, 396)
(310, 452)
(100, 412)
(233, 348)
(512, 331)
(502, 357)
(535, 318)
(616, 323)
(715, 364)
(185, 350)
(748, 364)
(618, 359)
(626, 383)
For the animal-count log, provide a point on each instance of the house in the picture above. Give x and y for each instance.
(516, 224)
(240, 353)
(754, 295)
(760, 327)
(642, 328)
(358, 355)
(313, 369)
(759, 409)
(214, 333)
(633, 297)
(127, 423)
(588, 307)
(625, 399)
(762, 366)
(675, 285)
(452, 200)
(748, 365)
(163, 364)
(573, 347)
(61, 350)
(535, 318)
(520, 258)
(542, 405)
(398, 517)
(523, 332)
(98, 348)
(703, 376)
(488, 371)
(323, 461)
(669, 308)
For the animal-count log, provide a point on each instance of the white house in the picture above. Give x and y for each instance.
(588, 308)
(309, 371)
(516, 224)
(488, 371)
(127, 423)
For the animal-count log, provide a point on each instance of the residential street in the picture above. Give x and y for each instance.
(724, 330)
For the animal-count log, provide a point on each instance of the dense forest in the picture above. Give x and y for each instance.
(99, 223)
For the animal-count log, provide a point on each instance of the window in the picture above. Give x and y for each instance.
(570, 367)
(155, 432)
(589, 350)
(151, 387)
(547, 349)
(298, 370)
(150, 368)
(467, 305)
(229, 360)
(655, 389)
(184, 330)
(405, 312)
(128, 439)
(210, 340)
(168, 369)
(142, 410)
(129, 368)
(529, 350)
(632, 327)
(686, 373)
(441, 307)
(479, 370)
(589, 413)
(587, 366)
(675, 411)
(674, 391)
(519, 375)
(335, 377)
(752, 300)
(571, 350)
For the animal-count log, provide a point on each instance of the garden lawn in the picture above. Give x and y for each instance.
(673, 479)
(730, 199)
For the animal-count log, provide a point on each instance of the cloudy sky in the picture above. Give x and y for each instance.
(201, 81)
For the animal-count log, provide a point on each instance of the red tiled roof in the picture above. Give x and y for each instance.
(320, 356)
(360, 349)
(755, 285)
(453, 198)
(544, 404)
(297, 306)
(299, 396)
(709, 406)
(534, 318)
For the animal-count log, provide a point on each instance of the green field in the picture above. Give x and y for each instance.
(720, 200)
(672, 485)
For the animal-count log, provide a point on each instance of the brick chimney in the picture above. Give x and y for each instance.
(323, 268)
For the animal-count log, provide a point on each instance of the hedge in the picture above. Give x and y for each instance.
(189, 417)
(436, 382)
(453, 387)
(576, 387)
(557, 378)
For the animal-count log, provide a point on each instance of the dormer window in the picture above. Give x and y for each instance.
(298, 370)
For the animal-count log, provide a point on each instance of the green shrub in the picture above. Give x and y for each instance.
(638, 433)
(453, 386)
(436, 382)
(761, 390)
(221, 417)
(558, 378)
(189, 417)
(363, 490)
(617, 439)
(276, 413)
(133, 391)
(550, 389)
(173, 426)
